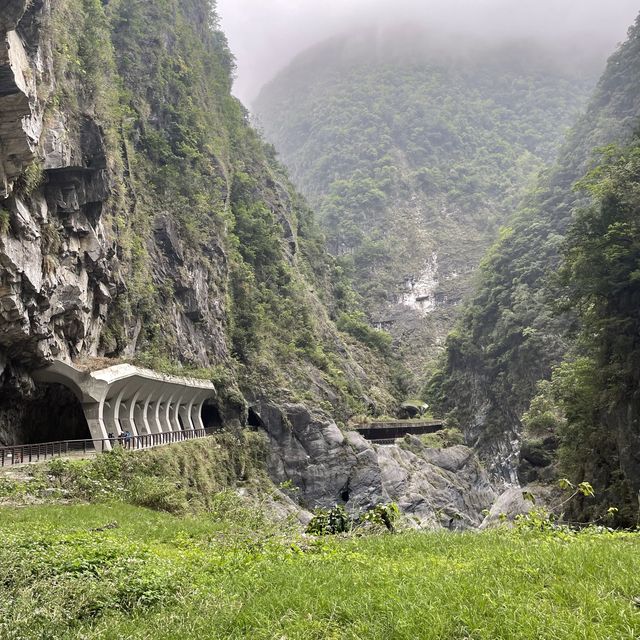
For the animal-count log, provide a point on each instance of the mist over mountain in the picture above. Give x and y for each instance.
(414, 152)
(369, 370)
(543, 369)
(265, 37)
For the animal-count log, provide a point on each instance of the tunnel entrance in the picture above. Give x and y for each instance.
(254, 419)
(54, 413)
(211, 417)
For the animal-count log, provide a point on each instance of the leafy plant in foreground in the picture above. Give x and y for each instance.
(337, 520)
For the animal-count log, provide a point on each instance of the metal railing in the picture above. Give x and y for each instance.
(27, 453)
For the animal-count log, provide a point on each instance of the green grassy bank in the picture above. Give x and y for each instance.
(115, 570)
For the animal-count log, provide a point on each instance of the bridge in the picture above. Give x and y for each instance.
(389, 432)
(124, 398)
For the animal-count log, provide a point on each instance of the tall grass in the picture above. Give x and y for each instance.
(183, 478)
(119, 571)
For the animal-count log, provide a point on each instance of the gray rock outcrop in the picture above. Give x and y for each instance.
(433, 487)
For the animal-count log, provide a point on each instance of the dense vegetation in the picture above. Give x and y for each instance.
(184, 162)
(523, 321)
(414, 154)
(200, 560)
(597, 387)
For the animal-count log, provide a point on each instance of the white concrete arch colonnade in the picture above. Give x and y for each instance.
(125, 398)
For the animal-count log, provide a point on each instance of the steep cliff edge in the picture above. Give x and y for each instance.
(513, 331)
(143, 219)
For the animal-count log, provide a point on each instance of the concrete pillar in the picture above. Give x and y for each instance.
(107, 417)
(94, 412)
(116, 410)
(175, 420)
(139, 408)
(126, 422)
(131, 414)
(149, 413)
(186, 414)
(155, 414)
(196, 414)
(166, 414)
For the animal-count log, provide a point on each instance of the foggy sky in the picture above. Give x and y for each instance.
(265, 35)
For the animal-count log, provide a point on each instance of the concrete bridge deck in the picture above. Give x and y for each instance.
(388, 432)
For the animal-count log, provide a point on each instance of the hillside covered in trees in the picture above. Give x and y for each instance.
(160, 274)
(547, 349)
(414, 151)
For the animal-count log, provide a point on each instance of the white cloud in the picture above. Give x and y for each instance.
(266, 34)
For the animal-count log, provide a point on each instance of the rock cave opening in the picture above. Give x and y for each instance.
(254, 419)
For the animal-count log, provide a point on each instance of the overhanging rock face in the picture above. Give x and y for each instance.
(127, 398)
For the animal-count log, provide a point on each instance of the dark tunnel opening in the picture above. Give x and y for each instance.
(211, 417)
(254, 419)
(52, 414)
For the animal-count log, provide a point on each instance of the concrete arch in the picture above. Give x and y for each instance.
(187, 415)
(176, 414)
(168, 424)
(196, 411)
(127, 398)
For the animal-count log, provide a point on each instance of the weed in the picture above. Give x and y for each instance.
(5, 221)
(66, 572)
(30, 179)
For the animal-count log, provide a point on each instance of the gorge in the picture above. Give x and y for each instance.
(361, 363)
(146, 224)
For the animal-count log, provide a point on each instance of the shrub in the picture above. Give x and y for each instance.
(385, 515)
(337, 520)
(5, 221)
(159, 494)
(330, 521)
(30, 179)
(443, 438)
(355, 325)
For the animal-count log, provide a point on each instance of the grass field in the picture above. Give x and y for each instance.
(118, 571)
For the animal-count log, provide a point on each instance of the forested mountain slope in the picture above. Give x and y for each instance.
(414, 152)
(143, 218)
(523, 320)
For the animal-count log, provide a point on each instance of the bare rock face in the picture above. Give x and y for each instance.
(64, 269)
(18, 125)
(53, 247)
(507, 507)
(433, 487)
(10, 13)
(198, 312)
(62, 264)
